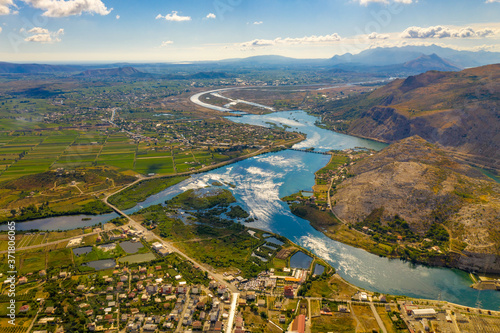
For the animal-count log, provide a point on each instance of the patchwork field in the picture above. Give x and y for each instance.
(30, 154)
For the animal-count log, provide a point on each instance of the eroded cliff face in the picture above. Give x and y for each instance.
(424, 185)
(477, 262)
(460, 111)
(469, 133)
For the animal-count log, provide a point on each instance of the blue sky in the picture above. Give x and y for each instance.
(174, 31)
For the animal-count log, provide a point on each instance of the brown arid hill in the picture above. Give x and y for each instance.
(457, 110)
(424, 185)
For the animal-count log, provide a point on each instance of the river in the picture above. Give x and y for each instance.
(259, 183)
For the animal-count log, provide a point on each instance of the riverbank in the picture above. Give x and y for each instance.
(392, 239)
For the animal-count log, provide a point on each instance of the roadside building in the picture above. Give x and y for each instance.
(424, 313)
(299, 324)
(288, 292)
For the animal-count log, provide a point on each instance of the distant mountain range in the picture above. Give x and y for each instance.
(11, 68)
(398, 60)
(396, 55)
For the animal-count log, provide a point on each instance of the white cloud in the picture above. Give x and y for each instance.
(5, 6)
(38, 30)
(173, 17)
(117, 17)
(420, 42)
(63, 8)
(492, 1)
(445, 32)
(166, 43)
(366, 2)
(292, 41)
(41, 35)
(210, 16)
(258, 22)
(376, 35)
(0, 29)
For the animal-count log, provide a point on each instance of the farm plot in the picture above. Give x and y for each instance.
(156, 165)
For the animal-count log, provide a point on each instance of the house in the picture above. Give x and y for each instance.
(166, 289)
(326, 311)
(149, 327)
(343, 308)
(23, 280)
(282, 319)
(261, 303)
(49, 310)
(24, 308)
(238, 322)
(119, 285)
(152, 289)
(251, 296)
(157, 246)
(299, 324)
(42, 273)
(288, 292)
(181, 289)
(163, 252)
(197, 325)
(409, 308)
(218, 326)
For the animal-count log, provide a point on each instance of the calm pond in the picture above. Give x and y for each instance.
(300, 260)
(131, 247)
(99, 265)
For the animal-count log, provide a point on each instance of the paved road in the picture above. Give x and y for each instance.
(181, 316)
(377, 317)
(232, 313)
(59, 241)
(149, 235)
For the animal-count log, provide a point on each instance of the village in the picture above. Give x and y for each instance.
(169, 294)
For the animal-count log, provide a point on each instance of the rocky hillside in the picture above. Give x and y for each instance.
(424, 185)
(457, 110)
